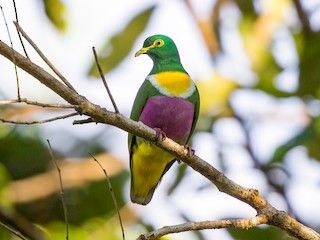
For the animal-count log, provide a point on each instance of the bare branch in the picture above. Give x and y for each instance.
(16, 13)
(17, 233)
(65, 210)
(39, 121)
(20, 225)
(14, 61)
(44, 58)
(104, 81)
(195, 226)
(112, 194)
(250, 196)
(84, 121)
(45, 105)
(303, 16)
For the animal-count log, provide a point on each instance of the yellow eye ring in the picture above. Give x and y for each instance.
(158, 43)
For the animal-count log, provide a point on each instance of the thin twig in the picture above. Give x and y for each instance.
(194, 226)
(65, 210)
(104, 80)
(250, 196)
(112, 195)
(39, 121)
(14, 59)
(48, 105)
(44, 58)
(264, 169)
(303, 16)
(15, 232)
(22, 44)
(84, 121)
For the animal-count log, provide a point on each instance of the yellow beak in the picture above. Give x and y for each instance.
(143, 50)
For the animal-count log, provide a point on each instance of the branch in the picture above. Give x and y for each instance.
(48, 105)
(64, 205)
(195, 226)
(303, 16)
(99, 115)
(44, 58)
(14, 62)
(114, 199)
(15, 232)
(39, 121)
(104, 81)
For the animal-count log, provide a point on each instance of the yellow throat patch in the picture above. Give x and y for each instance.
(177, 84)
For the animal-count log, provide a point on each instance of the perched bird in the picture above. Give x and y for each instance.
(168, 101)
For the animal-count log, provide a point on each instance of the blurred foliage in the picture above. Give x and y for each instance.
(308, 137)
(23, 155)
(309, 79)
(118, 47)
(91, 211)
(79, 202)
(55, 10)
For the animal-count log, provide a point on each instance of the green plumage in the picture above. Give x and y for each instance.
(167, 98)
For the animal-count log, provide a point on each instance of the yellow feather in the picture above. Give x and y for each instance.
(175, 83)
(148, 164)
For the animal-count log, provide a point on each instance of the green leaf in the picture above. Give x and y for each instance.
(22, 155)
(309, 79)
(91, 201)
(55, 10)
(119, 46)
(308, 137)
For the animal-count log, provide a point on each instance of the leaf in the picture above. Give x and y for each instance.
(308, 137)
(119, 46)
(23, 156)
(257, 34)
(55, 10)
(214, 97)
(214, 94)
(91, 201)
(309, 65)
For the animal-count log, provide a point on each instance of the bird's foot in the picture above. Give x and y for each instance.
(160, 135)
(190, 152)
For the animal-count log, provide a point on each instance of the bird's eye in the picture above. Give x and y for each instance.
(158, 43)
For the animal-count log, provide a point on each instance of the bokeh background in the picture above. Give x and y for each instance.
(257, 67)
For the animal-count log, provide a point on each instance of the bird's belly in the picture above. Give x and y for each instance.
(172, 115)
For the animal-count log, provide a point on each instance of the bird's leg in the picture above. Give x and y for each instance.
(160, 135)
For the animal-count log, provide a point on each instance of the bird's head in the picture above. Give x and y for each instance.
(159, 47)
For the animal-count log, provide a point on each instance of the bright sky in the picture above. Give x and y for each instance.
(89, 25)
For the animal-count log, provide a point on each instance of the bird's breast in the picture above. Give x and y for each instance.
(172, 115)
(175, 84)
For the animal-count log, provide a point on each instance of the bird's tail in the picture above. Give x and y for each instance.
(143, 199)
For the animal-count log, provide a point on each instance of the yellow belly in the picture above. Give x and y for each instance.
(148, 164)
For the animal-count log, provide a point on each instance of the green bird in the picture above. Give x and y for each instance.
(168, 101)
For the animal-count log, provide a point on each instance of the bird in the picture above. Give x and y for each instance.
(167, 101)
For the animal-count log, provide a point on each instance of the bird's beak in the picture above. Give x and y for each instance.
(143, 50)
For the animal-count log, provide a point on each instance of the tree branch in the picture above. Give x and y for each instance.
(195, 226)
(39, 121)
(99, 115)
(48, 105)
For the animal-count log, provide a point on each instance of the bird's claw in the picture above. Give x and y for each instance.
(190, 151)
(160, 135)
